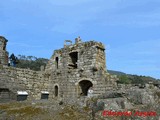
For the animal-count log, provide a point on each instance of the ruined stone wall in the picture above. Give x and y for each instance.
(16, 79)
(3, 52)
(4, 57)
(69, 74)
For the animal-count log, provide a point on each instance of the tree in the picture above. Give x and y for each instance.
(31, 62)
(123, 79)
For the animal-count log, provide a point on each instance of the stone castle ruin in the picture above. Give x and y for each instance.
(69, 74)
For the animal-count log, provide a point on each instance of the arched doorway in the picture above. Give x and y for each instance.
(85, 85)
(56, 91)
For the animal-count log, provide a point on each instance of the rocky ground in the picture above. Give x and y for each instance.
(130, 100)
(42, 110)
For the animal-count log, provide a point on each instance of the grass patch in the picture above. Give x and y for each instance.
(21, 109)
(25, 111)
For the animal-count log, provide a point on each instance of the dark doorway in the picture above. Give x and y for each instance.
(4, 95)
(56, 90)
(57, 60)
(85, 85)
(74, 59)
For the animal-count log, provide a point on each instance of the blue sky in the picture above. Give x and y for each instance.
(130, 29)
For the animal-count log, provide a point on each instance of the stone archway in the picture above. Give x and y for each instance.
(84, 86)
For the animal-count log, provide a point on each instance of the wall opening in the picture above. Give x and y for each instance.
(74, 59)
(67, 42)
(56, 91)
(44, 95)
(57, 60)
(85, 85)
(22, 95)
(4, 95)
(4, 47)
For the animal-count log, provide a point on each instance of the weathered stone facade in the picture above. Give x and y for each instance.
(75, 68)
(69, 74)
(3, 52)
(15, 79)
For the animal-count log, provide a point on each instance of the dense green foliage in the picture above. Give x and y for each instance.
(123, 79)
(132, 79)
(31, 62)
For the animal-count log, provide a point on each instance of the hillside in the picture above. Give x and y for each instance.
(113, 72)
(133, 79)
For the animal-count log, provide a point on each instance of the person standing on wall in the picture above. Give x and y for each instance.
(12, 60)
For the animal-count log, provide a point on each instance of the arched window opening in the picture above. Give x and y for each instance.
(44, 94)
(56, 90)
(85, 85)
(57, 60)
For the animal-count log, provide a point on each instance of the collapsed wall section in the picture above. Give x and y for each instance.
(82, 55)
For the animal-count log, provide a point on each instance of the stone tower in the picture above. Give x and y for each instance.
(3, 52)
(76, 68)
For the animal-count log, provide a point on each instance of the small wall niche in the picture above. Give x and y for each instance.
(56, 91)
(57, 61)
(4, 95)
(22, 95)
(44, 94)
